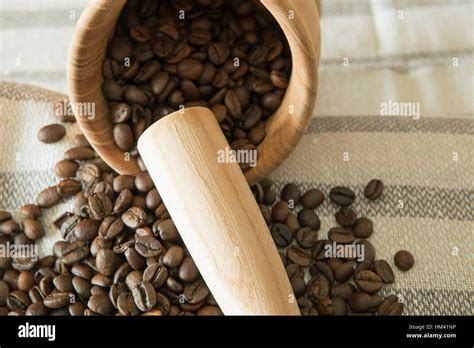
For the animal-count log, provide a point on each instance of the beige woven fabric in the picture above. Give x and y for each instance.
(369, 56)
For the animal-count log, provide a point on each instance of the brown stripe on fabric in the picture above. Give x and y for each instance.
(418, 201)
(390, 124)
(365, 7)
(403, 62)
(17, 91)
(434, 301)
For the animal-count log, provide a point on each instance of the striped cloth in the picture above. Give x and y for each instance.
(373, 53)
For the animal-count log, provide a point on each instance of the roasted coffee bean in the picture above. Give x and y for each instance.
(312, 199)
(122, 182)
(123, 136)
(79, 153)
(318, 288)
(4, 216)
(144, 296)
(120, 112)
(218, 53)
(167, 231)
(66, 169)
(346, 217)
(126, 304)
(188, 270)
(391, 306)
(298, 255)
(134, 217)
(404, 260)
(100, 304)
(72, 253)
(282, 234)
(195, 292)
(363, 228)
(4, 292)
(368, 281)
(280, 212)
(36, 309)
(342, 195)
(292, 222)
(308, 218)
(88, 172)
(26, 280)
(57, 300)
(156, 274)
(344, 272)
(106, 262)
(359, 302)
(69, 187)
(173, 256)
(291, 193)
(143, 182)
(232, 103)
(368, 250)
(374, 189)
(342, 290)
(341, 235)
(324, 269)
(148, 246)
(383, 269)
(306, 237)
(48, 197)
(51, 133)
(63, 283)
(76, 309)
(87, 229)
(32, 228)
(190, 69)
(110, 227)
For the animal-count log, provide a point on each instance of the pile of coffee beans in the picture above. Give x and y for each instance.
(330, 284)
(121, 253)
(228, 55)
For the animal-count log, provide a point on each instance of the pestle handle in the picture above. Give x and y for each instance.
(216, 214)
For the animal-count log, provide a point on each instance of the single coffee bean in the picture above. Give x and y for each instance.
(74, 252)
(232, 102)
(76, 309)
(51, 133)
(374, 189)
(280, 212)
(143, 182)
(324, 269)
(110, 227)
(66, 169)
(100, 304)
(383, 269)
(4, 292)
(123, 136)
(282, 235)
(26, 280)
(57, 300)
(312, 199)
(363, 228)
(368, 250)
(88, 172)
(218, 53)
(79, 153)
(271, 101)
(298, 255)
(292, 222)
(291, 193)
(48, 197)
(359, 302)
(86, 230)
(173, 256)
(69, 187)
(33, 228)
(306, 237)
(190, 69)
(308, 218)
(344, 272)
(148, 246)
(346, 217)
(134, 217)
(195, 292)
(341, 235)
(156, 274)
(4, 216)
(318, 288)
(167, 231)
(106, 262)
(342, 195)
(188, 270)
(9, 227)
(144, 296)
(404, 260)
(342, 290)
(391, 306)
(368, 281)
(120, 112)
(36, 309)
(126, 304)
(63, 283)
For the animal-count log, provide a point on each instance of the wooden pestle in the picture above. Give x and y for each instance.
(216, 214)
